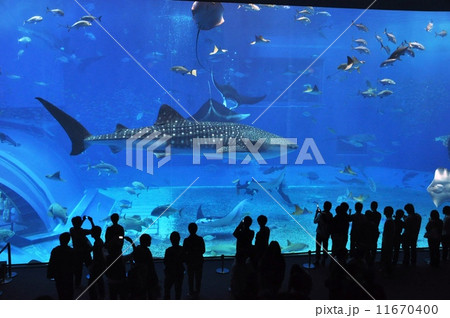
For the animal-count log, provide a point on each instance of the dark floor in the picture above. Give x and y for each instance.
(420, 282)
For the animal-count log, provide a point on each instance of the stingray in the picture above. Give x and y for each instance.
(231, 97)
(212, 110)
(439, 189)
(207, 15)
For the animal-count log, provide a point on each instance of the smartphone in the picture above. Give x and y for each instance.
(121, 237)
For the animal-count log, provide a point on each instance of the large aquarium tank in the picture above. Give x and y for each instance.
(359, 102)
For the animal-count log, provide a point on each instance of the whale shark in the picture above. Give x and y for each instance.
(212, 110)
(231, 97)
(226, 220)
(180, 133)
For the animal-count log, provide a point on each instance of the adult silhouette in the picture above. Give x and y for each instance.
(174, 268)
(357, 231)
(114, 235)
(434, 235)
(374, 217)
(446, 232)
(97, 291)
(244, 237)
(82, 247)
(398, 237)
(387, 243)
(60, 267)
(323, 219)
(411, 234)
(194, 248)
(261, 239)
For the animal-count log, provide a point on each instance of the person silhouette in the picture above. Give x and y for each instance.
(434, 235)
(114, 235)
(357, 231)
(446, 232)
(194, 248)
(339, 228)
(82, 247)
(146, 285)
(398, 237)
(97, 291)
(174, 268)
(411, 234)
(261, 239)
(323, 219)
(244, 237)
(271, 270)
(60, 267)
(387, 243)
(374, 217)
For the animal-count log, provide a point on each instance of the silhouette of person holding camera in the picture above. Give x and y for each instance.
(323, 219)
(244, 237)
(82, 247)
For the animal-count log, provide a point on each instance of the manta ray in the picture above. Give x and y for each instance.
(207, 15)
(439, 189)
(212, 110)
(231, 97)
(226, 220)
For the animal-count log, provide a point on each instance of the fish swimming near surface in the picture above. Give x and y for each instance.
(294, 247)
(35, 19)
(207, 15)
(442, 34)
(6, 235)
(55, 176)
(214, 111)
(390, 36)
(134, 223)
(167, 210)
(4, 138)
(56, 211)
(79, 24)
(439, 189)
(90, 18)
(139, 185)
(181, 131)
(231, 97)
(360, 27)
(104, 167)
(183, 70)
(429, 26)
(228, 220)
(56, 11)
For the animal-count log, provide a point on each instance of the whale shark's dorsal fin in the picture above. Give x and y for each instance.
(168, 114)
(120, 127)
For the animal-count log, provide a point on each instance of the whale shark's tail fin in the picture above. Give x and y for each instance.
(76, 132)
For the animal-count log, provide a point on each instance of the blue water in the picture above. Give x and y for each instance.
(89, 75)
